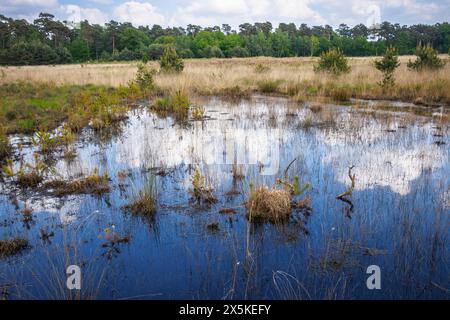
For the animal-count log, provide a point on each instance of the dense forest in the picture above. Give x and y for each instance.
(49, 41)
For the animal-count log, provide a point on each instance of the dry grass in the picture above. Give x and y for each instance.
(12, 246)
(292, 76)
(92, 184)
(272, 205)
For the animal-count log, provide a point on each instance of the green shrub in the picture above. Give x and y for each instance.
(170, 61)
(144, 77)
(333, 61)
(177, 103)
(427, 59)
(387, 66)
(212, 52)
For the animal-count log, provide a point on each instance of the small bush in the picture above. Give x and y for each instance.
(427, 59)
(387, 66)
(170, 61)
(333, 61)
(144, 77)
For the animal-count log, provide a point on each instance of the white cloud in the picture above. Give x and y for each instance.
(138, 13)
(76, 13)
(235, 12)
(34, 3)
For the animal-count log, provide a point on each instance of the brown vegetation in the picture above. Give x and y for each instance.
(289, 76)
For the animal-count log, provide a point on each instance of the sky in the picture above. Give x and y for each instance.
(234, 12)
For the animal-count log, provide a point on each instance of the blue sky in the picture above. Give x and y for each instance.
(234, 12)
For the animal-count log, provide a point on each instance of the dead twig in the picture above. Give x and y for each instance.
(349, 190)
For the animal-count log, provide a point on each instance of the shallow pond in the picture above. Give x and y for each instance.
(397, 217)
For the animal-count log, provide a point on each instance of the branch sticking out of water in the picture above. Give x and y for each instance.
(349, 190)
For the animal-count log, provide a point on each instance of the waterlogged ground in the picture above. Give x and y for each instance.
(398, 218)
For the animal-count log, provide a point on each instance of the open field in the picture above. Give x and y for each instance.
(294, 77)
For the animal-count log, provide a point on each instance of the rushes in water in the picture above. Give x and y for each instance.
(29, 174)
(200, 191)
(92, 184)
(177, 104)
(275, 204)
(198, 113)
(12, 246)
(144, 203)
(272, 205)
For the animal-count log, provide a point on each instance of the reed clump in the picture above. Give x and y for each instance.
(177, 104)
(28, 174)
(201, 192)
(92, 184)
(274, 204)
(145, 202)
(198, 112)
(268, 205)
(12, 246)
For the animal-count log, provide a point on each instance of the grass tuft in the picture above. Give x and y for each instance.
(12, 246)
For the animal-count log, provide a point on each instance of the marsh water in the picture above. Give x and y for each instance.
(397, 216)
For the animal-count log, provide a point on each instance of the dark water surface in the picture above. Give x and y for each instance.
(399, 218)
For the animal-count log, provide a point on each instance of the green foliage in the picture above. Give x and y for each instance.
(46, 141)
(48, 41)
(212, 52)
(387, 66)
(170, 61)
(30, 107)
(29, 53)
(238, 52)
(333, 61)
(177, 103)
(28, 174)
(427, 58)
(79, 50)
(144, 77)
(145, 202)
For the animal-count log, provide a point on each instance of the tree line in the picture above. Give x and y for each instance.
(50, 41)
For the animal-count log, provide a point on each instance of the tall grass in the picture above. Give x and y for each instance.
(222, 76)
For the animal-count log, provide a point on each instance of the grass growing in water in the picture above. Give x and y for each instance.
(198, 113)
(12, 246)
(144, 203)
(201, 192)
(92, 184)
(176, 104)
(28, 174)
(272, 205)
(27, 107)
